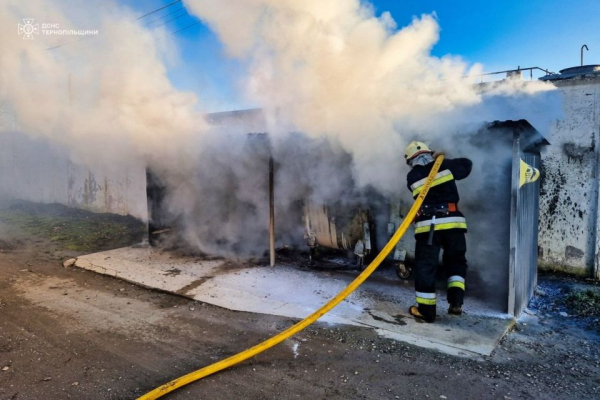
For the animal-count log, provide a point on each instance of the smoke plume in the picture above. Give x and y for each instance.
(106, 97)
(334, 69)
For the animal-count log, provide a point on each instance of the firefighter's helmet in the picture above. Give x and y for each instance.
(414, 149)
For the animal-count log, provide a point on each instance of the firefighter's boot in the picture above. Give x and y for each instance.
(455, 309)
(414, 311)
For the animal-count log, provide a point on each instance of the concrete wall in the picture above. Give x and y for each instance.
(40, 171)
(568, 237)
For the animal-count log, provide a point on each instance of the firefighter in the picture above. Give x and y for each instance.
(439, 225)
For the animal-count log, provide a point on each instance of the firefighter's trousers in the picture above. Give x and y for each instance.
(453, 244)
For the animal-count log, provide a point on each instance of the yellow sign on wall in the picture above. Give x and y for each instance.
(528, 174)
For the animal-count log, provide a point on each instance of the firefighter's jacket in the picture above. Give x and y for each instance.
(442, 191)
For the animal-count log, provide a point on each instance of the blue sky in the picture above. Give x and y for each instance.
(501, 34)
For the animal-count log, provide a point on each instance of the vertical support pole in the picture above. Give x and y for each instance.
(271, 213)
(514, 226)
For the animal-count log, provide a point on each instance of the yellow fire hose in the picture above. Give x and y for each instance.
(267, 344)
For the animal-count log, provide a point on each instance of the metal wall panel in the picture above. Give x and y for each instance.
(524, 228)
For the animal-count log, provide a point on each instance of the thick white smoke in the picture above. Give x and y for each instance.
(335, 69)
(107, 97)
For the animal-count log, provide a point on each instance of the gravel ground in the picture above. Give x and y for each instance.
(70, 333)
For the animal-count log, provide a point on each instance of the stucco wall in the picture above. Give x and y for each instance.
(40, 171)
(569, 191)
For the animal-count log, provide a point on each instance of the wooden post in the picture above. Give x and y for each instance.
(271, 213)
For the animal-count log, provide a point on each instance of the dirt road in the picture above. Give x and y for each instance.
(69, 333)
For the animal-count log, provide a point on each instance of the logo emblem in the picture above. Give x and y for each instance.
(28, 29)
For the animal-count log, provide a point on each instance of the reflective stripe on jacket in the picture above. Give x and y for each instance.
(441, 177)
(441, 223)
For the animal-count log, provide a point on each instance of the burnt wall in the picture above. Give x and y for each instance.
(569, 182)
